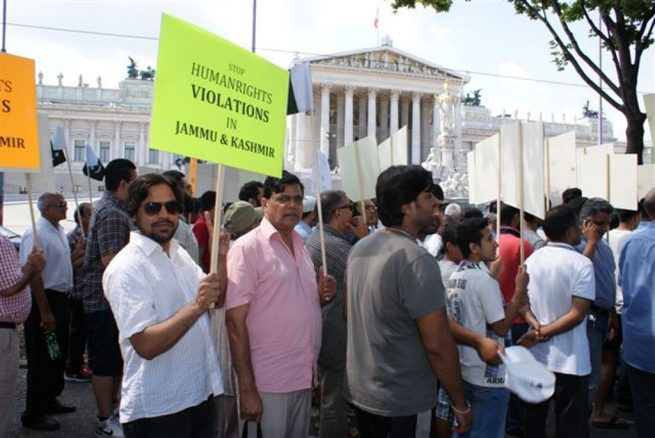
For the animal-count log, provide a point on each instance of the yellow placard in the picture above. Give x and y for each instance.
(216, 101)
(19, 140)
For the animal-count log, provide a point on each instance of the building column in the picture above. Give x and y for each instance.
(404, 112)
(425, 129)
(393, 122)
(290, 142)
(116, 149)
(384, 117)
(361, 127)
(416, 129)
(302, 142)
(372, 114)
(341, 104)
(325, 120)
(348, 116)
(141, 152)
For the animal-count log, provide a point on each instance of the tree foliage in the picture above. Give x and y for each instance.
(626, 33)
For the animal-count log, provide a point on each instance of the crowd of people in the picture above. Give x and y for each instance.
(395, 313)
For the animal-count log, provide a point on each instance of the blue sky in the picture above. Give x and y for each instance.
(477, 36)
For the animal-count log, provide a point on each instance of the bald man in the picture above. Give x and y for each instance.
(49, 314)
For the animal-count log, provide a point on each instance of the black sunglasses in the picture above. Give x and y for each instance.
(153, 208)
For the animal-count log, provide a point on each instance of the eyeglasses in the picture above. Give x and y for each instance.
(153, 208)
(284, 199)
(60, 204)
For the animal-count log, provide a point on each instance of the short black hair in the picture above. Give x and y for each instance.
(470, 231)
(79, 211)
(397, 186)
(330, 201)
(250, 190)
(570, 194)
(278, 185)
(449, 235)
(208, 200)
(493, 207)
(470, 212)
(558, 221)
(593, 206)
(507, 213)
(626, 215)
(437, 191)
(138, 191)
(529, 217)
(116, 171)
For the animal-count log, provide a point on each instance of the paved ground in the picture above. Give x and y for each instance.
(82, 422)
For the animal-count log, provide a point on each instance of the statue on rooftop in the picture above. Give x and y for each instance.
(132, 72)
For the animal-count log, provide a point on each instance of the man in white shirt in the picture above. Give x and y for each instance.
(160, 301)
(562, 288)
(49, 314)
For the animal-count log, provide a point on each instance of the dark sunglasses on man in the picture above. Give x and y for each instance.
(153, 208)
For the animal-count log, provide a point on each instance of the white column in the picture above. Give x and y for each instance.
(116, 149)
(348, 116)
(384, 117)
(416, 128)
(325, 120)
(302, 142)
(372, 113)
(361, 128)
(425, 129)
(92, 136)
(404, 112)
(341, 103)
(141, 152)
(393, 122)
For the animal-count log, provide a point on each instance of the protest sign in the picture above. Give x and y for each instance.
(592, 175)
(645, 179)
(623, 181)
(510, 143)
(561, 171)
(359, 168)
(486, 169)
(19, 141)
(649, 104)
(215, 101)
(393, 151)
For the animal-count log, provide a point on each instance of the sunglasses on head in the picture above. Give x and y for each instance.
(153, 208)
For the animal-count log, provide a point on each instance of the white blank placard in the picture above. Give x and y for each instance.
(645, 179)
(359, 168)
(623, 181)
(486, 169)
(561, 162)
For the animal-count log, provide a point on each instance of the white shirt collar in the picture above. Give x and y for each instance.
(149, 246)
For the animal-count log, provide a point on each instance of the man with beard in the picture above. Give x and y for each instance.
(399, 341)
(184, 235)
(160, 299)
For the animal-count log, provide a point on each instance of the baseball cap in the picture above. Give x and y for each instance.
(308, 204)
(239, 217)
(529, 379)
(259, 211)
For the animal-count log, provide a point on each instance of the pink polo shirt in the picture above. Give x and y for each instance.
(284, 319)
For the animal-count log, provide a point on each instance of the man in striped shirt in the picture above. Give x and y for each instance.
(337, 216)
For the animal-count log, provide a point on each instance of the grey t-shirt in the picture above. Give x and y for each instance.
(391, 283)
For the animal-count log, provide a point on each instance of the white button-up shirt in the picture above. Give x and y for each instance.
(145, 286)
(58, 272)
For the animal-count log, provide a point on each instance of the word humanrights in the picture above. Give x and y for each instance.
(215, 98)
(182, 128)
(231, 83)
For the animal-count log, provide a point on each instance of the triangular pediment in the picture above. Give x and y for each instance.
(385, 58)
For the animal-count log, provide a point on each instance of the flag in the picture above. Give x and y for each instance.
(301, 98)
(377, 18)
(93, 168)
(57, 146)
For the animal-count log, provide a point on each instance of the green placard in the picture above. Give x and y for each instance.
(216, 101)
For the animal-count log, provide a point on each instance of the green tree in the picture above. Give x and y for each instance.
(626, 33)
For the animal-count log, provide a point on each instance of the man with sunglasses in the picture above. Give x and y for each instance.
(274, 315)
(108, 233)
(49, 314)
(160, 299)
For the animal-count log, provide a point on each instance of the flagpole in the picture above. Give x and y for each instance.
(77, 204)
(4, 26)
(254, 24)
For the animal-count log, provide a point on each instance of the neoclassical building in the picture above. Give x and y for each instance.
(358, 93)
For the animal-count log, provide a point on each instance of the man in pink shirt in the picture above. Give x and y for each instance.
(274, 315)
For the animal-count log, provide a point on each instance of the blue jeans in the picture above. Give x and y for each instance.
(489, 409)
(597, 334)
